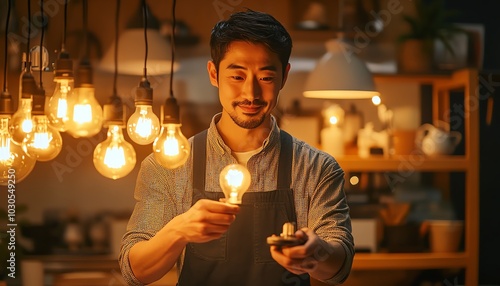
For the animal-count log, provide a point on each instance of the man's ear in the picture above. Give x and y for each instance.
(285, 76)
(212, 73)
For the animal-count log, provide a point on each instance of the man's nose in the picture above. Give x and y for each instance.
(251, 88)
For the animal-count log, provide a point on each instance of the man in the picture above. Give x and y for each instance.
(179, 218)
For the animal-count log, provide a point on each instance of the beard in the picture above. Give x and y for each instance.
(251, 121)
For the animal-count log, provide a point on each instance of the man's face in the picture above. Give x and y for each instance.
(249, 80)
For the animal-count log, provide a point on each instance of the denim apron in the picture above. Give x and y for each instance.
(241, 256)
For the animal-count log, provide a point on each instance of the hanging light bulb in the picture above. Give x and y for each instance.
(21, 122)
(85, 118)
(143, 126)
(61, 102)
(234, 181)
(62, 99)
(114, 158)
(171, 149)
(13, 159)
(43, 143)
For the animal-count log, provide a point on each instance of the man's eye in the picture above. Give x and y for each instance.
(267, 78)
(236, 77)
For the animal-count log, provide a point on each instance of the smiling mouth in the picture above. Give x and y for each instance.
(250, 109)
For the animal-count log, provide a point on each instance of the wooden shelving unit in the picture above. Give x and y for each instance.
(466, 81)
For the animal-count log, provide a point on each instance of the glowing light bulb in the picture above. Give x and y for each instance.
(22, 123)
(15, 164)
(86, 114)
(114, 158)
(234, 181)
(143, 126)
(171, 149)
(44, 142)
(59, 104)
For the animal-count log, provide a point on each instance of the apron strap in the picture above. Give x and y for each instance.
(199, 161)
(285, 161)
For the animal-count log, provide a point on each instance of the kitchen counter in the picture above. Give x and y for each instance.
(78, 270)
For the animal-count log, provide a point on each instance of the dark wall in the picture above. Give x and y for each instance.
(486, 12)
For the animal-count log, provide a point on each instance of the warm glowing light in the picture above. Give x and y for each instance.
(44, 143)
(86, 115)
(82, 113)
(21, 122)
(14, 161)
(114, 158)
(27, 126)
(334, 120)
(42, 140)
(376, 100)
(333, 115)
(59, 104)
(171, 149)
(234, 180)
(143, 126)
(171, 146)
(354, 180)
(62, 104)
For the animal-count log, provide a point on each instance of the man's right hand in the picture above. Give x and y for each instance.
(206, 220)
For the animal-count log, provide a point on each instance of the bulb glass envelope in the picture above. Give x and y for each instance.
(131, 53)
(340, 74)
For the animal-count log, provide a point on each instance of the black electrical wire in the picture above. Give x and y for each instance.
(117, 19)
(172, 44)
(85, 29)
(145, 20)
(29, 30)
(6, 44)
(65, 24)
(41, 44)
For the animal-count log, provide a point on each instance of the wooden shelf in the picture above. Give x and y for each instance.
(465, 81)
(417, 162)
(373, 261)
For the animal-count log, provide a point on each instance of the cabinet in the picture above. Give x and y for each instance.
(464, 81)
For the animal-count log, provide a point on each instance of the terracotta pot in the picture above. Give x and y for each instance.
(415, 56)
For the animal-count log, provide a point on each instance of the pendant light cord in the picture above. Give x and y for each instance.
(172, 44)
(117, 21)
(65, 24)
(85, 29)
(145, 20)
(6, 44)
(29, 32)
(41, 43)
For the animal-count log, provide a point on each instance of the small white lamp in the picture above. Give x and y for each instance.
(340, 74)
(332, 139)
(131, 49)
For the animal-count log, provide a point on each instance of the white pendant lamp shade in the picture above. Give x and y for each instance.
(131, 52)
(340, 74)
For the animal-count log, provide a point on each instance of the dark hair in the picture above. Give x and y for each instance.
(253, 27)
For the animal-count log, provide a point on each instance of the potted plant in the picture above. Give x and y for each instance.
(429, 25)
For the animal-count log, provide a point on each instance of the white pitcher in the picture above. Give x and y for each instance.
(434, 140)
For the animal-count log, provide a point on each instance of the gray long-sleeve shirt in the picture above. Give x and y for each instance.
(317, 183)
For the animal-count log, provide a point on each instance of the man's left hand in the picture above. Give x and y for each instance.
(302, 258)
